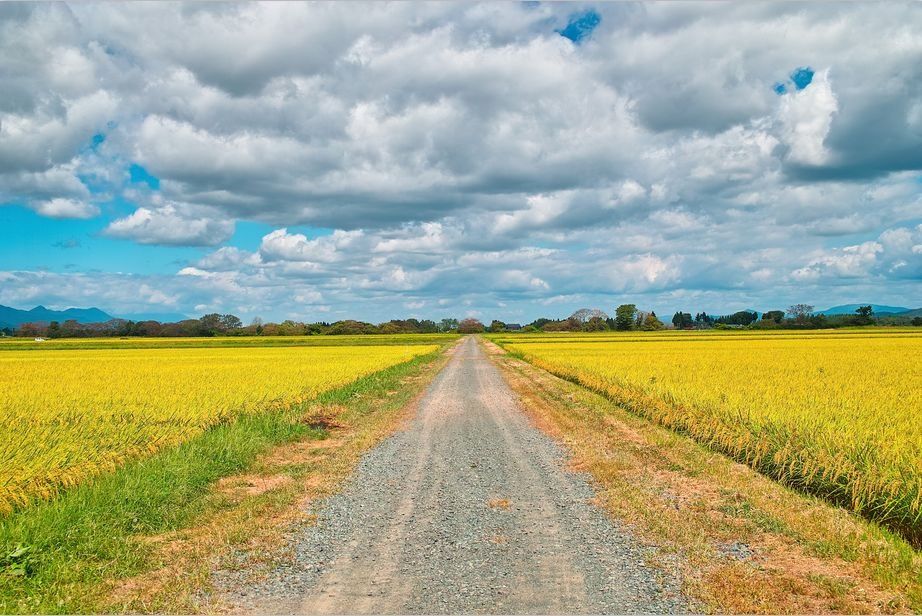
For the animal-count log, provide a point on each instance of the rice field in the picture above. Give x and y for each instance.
(838, 414)
(69, 414)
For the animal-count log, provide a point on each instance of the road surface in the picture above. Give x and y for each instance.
(469, 509)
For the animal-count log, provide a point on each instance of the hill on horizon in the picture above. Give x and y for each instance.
(850, 309)
(13, 317)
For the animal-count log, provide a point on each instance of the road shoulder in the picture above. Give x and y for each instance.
(746, 544)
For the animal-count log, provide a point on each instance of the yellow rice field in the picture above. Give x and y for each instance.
(66, 415)
(835, 413)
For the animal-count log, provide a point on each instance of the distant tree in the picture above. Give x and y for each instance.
(596, 324)
(315, 329)
(624, 316)
(230, 322)
(30, 330)
(147, 328)
(72, 329)
(566, 325)
(682, 320)
(743, 317)
(270, 329)
(539, 323)
(470, 326)
(448, 325)
(497, 326)
(773, 315)
(584, 315)
(651, 323)
(917, 321)
(291, 328)
(54, 330)
(210, 324)
(703, 320)
(865, 315)
(800, 313)
(192, 327)
(351, 327)
(427, 326)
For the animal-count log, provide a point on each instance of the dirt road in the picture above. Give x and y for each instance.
(469, 509)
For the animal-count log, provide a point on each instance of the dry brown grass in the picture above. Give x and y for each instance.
(255, 510)
(744, 543)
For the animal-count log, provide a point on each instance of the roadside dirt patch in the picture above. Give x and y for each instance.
(302, 452)
(251, 485)
(326, 416)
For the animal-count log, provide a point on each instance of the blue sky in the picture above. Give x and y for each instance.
(495, 160)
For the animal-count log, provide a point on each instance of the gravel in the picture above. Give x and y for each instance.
(470, 509)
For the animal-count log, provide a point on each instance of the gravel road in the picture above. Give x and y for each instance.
(469, 509)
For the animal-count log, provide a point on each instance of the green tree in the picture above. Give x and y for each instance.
(682, 320)
(595, 324)
(773, 315)
(497, 326)
(470, 326)
(624, 316)
(801, 313)
(230, 322)
(651, 323)
(211, 324)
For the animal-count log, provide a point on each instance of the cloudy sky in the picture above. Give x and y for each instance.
(502, 160)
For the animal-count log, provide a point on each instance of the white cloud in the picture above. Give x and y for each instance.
(806, 118)
(173, 224)
(66, 208)
(283, 246)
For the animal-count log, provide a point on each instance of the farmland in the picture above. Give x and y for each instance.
(835, 414)
(71, 410)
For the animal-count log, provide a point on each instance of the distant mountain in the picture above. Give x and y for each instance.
(11, 317)
(851, 308)
(162, 317)
(912, 313)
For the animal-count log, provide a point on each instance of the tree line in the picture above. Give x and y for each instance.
(627, 318)
(226, 325)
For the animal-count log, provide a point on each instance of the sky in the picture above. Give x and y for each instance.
(499, 160)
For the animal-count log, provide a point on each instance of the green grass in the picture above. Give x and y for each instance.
(53, 555)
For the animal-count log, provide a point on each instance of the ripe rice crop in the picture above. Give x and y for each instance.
(66, 415)
(836, 414)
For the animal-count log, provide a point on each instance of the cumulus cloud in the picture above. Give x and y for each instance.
(173, 224)
(65, 208)
(897, 253)
(806, 117)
